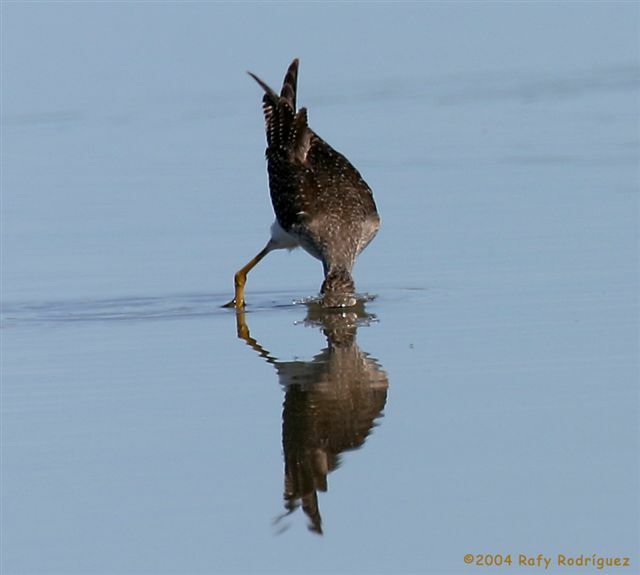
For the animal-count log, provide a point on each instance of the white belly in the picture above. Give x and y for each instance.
(281, 239)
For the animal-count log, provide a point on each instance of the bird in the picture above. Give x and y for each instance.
(321, 202)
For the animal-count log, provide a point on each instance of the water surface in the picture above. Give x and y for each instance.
(484, 399)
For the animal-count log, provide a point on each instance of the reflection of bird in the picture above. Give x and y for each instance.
(330, 406)
(320, 200)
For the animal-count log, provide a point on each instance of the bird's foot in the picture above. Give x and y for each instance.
(234, 303)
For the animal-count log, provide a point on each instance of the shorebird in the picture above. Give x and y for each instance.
(320, 200)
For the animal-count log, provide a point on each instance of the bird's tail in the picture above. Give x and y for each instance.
(286, 128)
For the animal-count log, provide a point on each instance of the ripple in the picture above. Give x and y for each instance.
(137, 308)
(109, 310)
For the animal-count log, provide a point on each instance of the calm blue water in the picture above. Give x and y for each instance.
(485, 399)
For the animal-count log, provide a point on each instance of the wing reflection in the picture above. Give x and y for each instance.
(330, 405)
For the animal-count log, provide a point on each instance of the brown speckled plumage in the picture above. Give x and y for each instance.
(320, 200)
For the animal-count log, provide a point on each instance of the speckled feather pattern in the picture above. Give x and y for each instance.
(317, 194)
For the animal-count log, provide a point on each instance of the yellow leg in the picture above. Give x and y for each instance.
(240, 278)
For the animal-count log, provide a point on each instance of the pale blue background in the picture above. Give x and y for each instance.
(501, 141)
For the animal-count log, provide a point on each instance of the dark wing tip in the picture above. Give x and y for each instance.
(289, 86)
(267, 89)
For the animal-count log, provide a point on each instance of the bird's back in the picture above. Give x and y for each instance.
(317, 194)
